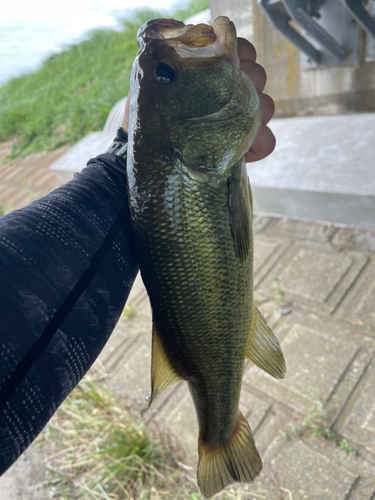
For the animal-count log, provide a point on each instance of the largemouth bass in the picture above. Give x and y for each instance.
(193, 115)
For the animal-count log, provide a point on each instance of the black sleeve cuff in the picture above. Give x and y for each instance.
(121, 136)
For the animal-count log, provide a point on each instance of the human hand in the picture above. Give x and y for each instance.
(265, 142)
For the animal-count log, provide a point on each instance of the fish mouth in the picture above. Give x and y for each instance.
(202, 40)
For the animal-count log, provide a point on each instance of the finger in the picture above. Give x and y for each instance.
(256, 73)
(263, 146)
(246, 50)
(126, 117)
(267, 107)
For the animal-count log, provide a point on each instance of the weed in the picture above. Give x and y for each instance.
(128, 311)
(280, 294)
(330, 434)
(313, 421)
(97, 446)
(347, 448)
(26, 185)
(5, 210)
(284, 435)
(97, 450)
(293, 427)
(351, 239)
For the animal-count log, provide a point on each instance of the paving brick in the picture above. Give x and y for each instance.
(295, 470)
(309, 355)
(262, 222)
(357, 422)
(13, 174)
(128, 331)
(179, 417)
(358, 307)
(131, 375)
(5, 170)
(267, 252)
(354, 237)
(271, 312)
(22, 480)
(314, 276)
(364, 486)
(300, 229)
(26, 179)
(325, 362)
(8, 195)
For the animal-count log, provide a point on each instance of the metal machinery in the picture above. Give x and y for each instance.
(327, 32)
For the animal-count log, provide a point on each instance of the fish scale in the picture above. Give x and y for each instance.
(193, 115)
(198, 303)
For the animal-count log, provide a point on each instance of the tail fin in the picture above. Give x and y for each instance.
(221, 465)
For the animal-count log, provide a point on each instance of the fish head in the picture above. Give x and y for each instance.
(188, 94)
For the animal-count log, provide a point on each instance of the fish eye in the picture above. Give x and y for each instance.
(163, 73)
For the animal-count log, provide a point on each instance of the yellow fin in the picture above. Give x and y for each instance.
(264, 349)
(236, 461)
(240, 217)
(162, 373)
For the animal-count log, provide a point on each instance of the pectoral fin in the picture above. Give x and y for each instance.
(162, 373)
(263, 348)
(240, 217)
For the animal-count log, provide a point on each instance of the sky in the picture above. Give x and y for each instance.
(32, 30)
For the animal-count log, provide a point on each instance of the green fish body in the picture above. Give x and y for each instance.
(193, 115)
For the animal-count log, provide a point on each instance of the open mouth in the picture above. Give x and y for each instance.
(201, 40)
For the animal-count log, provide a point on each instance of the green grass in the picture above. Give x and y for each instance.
(95, 449)
(314, 422)
(280, 294)
(98, 450)
(73, 92)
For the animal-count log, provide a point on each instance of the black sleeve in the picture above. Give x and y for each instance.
(67, 265)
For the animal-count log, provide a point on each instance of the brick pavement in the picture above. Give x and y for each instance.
(26, 179)
(323, 313)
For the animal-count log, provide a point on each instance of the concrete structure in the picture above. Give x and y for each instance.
(296, 91)
(323, 168)
(95, 143)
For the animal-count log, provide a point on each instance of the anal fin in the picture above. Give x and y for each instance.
(162, 372)
(263, 348)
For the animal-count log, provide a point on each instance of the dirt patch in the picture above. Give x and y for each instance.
(22, 480)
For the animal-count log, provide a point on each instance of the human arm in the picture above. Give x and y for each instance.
(67, 265)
